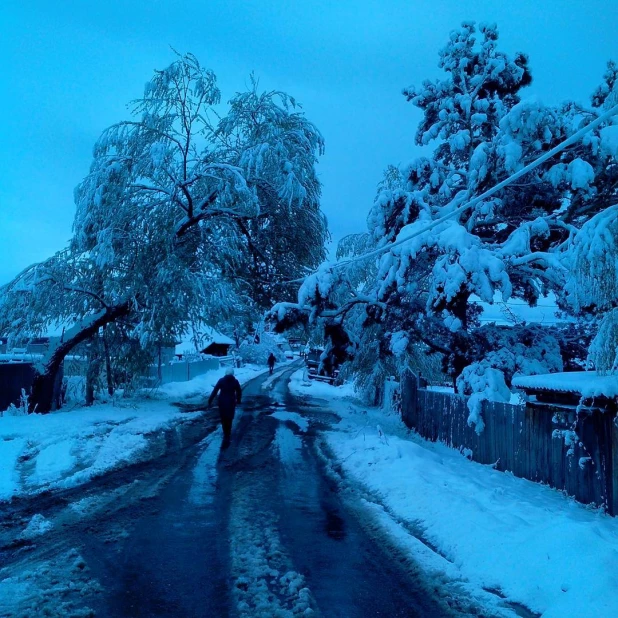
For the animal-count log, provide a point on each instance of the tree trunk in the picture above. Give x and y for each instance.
(45, 385)
(460, 309)
(108, 364)
(94, 369)
(47, 390)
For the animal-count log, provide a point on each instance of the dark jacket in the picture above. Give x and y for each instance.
(230, 393)
(271, 360)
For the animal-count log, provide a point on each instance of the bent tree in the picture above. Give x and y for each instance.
(174, 222)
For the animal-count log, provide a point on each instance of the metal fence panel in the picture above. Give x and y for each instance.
(182, 372)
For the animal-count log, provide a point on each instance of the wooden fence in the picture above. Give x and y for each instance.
(527, 440)
(14, 377)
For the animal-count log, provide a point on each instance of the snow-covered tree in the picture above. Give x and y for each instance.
(593, 287)
(185, 216)
(434, 260)
(276, 150)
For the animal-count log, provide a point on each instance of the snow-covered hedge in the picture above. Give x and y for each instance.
(258, 353)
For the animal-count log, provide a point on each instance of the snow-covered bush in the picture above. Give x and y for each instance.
(17, 410)
(258, 353)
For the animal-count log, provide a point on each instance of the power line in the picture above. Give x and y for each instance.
(512, 304)
(507, 181)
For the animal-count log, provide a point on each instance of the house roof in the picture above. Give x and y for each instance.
(198, 339)
(585, 383)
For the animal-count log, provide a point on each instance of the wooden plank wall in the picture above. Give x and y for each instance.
(521, 439)
(14, 377)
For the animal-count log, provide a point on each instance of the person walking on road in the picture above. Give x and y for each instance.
(271, 363)
(230, 394)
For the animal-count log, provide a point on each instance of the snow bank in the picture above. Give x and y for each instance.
(37, 526)
(74, 445)
(584, 383)
(300, 385)
(10, 449)
(498, 532)
(203, 384)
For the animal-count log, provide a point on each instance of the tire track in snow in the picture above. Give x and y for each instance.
(265, 584)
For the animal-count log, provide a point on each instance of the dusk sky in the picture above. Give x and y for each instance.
(70, 68)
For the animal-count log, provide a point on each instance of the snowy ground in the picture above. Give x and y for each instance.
(486, 529)
(302, 386)
(67, 448)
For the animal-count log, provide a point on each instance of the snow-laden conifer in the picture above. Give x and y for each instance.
(439, 259)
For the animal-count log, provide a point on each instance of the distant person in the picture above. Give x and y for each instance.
(271, 363)
(230, 394)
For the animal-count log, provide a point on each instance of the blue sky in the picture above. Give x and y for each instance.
(70, 68)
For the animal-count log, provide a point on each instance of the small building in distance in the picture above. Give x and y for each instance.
(205, 341)
(296, 343)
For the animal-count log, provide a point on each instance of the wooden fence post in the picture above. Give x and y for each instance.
(409, 399)
(612, 502)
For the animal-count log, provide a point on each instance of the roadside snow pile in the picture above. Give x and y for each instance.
(314, 388)
(67, 448)
(531, 543)
(10, 450)
(37, 526)
(56, 588)
(202, 385)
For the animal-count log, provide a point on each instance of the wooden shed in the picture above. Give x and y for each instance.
(217, 348)
(579, 410)
(205, 341)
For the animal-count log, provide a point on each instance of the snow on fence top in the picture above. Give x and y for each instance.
(585, 383)
(19, 357)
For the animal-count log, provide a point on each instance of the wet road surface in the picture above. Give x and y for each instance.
(259, 529)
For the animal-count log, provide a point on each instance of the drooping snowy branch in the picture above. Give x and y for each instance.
(492, 209)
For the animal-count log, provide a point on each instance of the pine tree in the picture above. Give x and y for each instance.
(477, 131)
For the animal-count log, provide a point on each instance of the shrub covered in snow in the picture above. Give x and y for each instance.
(258, 353)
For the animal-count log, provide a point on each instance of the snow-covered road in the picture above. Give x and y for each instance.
(261, 530)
